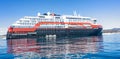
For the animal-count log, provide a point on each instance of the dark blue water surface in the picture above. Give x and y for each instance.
(102, 47)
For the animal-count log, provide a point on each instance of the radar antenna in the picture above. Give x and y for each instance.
(74, 13)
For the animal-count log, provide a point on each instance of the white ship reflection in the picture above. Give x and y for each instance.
(53, 48)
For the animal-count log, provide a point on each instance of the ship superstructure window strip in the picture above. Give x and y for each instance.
(22, 26)
(75, 19)
(72, 18)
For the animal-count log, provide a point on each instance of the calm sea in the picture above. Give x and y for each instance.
(102, 47)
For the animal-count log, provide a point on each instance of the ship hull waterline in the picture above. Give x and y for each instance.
(57, 33)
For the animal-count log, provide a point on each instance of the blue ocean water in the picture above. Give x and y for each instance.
(96, 47)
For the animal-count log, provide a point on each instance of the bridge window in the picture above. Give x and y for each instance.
(42, 16)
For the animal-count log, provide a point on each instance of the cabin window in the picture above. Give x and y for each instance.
(57, 17)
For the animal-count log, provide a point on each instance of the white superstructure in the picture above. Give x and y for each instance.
(30, 21)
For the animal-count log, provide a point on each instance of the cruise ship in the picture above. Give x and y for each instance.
(51, 24)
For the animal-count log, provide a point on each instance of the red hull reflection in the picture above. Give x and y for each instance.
(22, 45)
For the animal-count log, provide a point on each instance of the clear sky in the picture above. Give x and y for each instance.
(106, 11)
